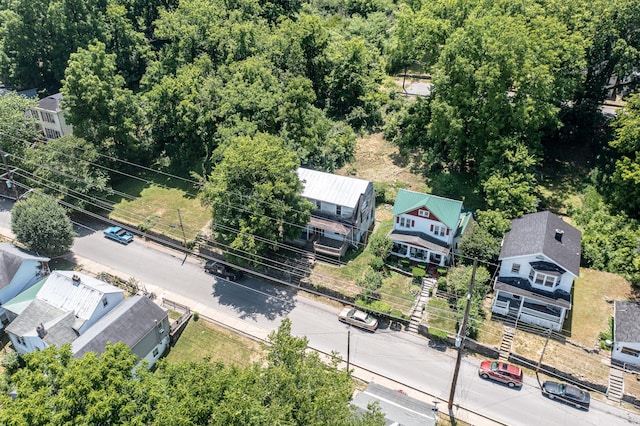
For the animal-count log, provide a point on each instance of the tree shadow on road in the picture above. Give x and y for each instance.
(255, 298)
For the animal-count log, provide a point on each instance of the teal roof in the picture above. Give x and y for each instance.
(445, 209)
(465, 219)
(24, 299)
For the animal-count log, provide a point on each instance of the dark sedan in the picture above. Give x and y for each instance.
(567, 393)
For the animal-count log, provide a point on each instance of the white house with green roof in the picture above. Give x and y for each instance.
(427, 228)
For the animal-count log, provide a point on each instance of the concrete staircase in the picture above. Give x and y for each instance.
(616, 385)
(423, 298)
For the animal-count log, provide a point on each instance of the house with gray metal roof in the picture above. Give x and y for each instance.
(136, 321)
(426, 227)
(399, 409)
(50, 117)
(67, 304)
(540, 258)
(626, 333)
(19, 270)
(344, 211)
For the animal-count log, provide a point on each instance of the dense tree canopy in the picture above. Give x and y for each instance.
(255, 195)
(290, 386)
(42, 225)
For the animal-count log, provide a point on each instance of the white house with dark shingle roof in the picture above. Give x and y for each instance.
(626, 333)
(138, 322)
(50, 117)
(344, 210)
(67, 304)
(19, 270)
(540, 258)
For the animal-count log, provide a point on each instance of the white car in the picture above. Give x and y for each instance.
(358, 319)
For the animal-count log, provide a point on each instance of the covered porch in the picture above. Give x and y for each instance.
(532, 306)
(419, 247)
(329, 237)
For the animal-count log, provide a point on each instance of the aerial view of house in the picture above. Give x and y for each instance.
(626, 333)
(344, 213)
(540, 258)
(427, 228)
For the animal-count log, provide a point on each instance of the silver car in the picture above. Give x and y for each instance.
(358, 318)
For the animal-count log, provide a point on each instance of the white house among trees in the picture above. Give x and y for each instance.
(50, 117)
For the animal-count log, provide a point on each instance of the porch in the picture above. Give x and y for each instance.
(329, 237)
(419, 247)
(330, 247)
(529, 306)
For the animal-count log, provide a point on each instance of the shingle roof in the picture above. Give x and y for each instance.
(330, 188)
(36, 313)
(51, 103)
(626, 322)
(128, 322)
(535, 233)
(11, 258)
(445, 209)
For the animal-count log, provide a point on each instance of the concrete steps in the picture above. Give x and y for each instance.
(616, 385)
(507, 339)
(417, 312)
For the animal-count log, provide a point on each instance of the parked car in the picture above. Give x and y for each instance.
(118, 234)
(358, 318)
(221, 270)
(567, 393)
(501, 372)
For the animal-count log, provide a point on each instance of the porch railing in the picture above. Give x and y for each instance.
(501, 307)
(541, 315)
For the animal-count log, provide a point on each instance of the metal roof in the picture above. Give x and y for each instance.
(21, 301)
(129, 322)
(398, 408)
(81, 296)
(626, 322)
(535, 233)
(330, 188)
(445, 209)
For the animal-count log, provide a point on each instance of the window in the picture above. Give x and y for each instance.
(423, 213)
(21, 340)
(52, 134)
(338, 210)
(630, 351)
(155, 352)
(47, 117)
(542, 280)
(105, 302)
(515, 268)
(439, 230)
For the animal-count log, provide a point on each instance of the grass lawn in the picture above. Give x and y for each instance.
(593, 296)
(201, 340)
(440, 318)
(156, 208)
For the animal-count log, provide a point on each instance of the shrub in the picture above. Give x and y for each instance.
(377, 264)
(396, 314)
(11, 362)
(196, 316)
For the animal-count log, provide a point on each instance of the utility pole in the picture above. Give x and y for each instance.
(10, 183)
(348, 346)
(461, 336)
(184, 237)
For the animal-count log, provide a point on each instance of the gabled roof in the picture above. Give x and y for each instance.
(38, 312)
(19, 303)
(51, 103)
(626, 323)
(330, 188)
(81, 297)
(445, 209)
(398, 409)
(11, 258)
(129, 322)
(535, 234)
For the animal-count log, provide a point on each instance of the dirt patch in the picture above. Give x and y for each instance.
(378, 160)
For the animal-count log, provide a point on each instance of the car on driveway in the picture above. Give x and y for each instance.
(118, 234)
(501, 372)
(221, 270)
(358, 318)
(567, 393)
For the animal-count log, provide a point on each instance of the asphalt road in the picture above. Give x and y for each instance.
(399, 355)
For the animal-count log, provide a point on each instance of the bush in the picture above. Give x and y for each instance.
(196, 316)
(381, 192)
(396, 314)
(11, 362)
(377, 264)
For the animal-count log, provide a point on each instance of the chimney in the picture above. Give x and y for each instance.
(75, 279)
(41, 331)
(559, 234)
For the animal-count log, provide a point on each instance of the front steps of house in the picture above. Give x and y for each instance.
(616, 385)
(508, 333)
(423, 298)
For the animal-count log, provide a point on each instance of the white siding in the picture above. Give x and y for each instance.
(566, 280)
(617, 354)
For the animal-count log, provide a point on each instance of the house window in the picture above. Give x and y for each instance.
(47, 117)
(423, 213)
(105, 302)
(515, 268)
(155, 352)
(542, 280)
(338, 210)
(630, 351)
(439, 230)
(21, 340)
(318, 204)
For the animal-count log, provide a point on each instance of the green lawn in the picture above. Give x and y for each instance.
(156, 208)
(440, 318)
(202, 340)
